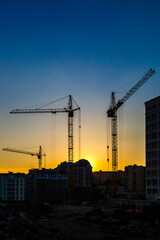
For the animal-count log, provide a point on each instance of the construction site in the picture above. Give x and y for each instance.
(79, 120)
(75, 179)
(67, 169)
(71, 201)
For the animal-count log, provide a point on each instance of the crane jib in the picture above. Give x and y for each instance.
(54, 111)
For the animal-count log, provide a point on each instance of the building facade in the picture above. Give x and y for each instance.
(152, 120)
(109, 184)
(79, 178)
(13, 186)
(46, 185)
(135, 181)
(82, 174)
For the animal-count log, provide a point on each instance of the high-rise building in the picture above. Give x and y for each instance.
(152, 110)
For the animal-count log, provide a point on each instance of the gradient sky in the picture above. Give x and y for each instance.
(86, 48)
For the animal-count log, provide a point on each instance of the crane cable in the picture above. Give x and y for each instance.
(108, 125)
(75, 102)
(49, 103)
(46, 104)
(120, 135)
(126, 85)
(53, 140)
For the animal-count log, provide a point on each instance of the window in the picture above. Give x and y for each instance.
(148, 182)
(154, 181)
(148, 154)
(154, 144)
(154, 163)
(154, 173)
(148, 127)
(154, 154)
(154, 126)
(149, 191)
(154, 191)
(148, 108)
(154, 116)
(149, 118)
(148, 173)
(154, 135)
(154, 106)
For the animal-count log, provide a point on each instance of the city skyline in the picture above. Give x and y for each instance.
(87, 49)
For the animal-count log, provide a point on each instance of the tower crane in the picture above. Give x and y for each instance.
(69, 110)
(39, 154)
(112, 113)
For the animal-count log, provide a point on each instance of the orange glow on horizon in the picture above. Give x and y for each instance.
(38, 131)
(97, 163)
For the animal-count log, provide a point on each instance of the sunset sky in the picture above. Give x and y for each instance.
(87, 48)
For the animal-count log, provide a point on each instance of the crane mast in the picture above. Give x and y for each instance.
(70, 110)
(39, 154)
(114, 136)
(112, 113)
(70, 130)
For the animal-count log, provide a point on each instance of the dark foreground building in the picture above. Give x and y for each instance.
(46, 185)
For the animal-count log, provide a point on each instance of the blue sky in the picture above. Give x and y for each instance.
(49, 49)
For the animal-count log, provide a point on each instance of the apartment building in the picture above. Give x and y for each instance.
(46, 185)
(12, 186)
(152, 120)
